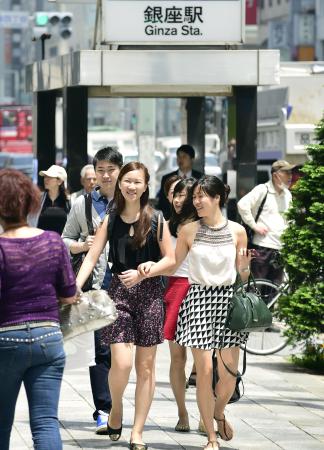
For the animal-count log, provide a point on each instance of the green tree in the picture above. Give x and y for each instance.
(303, 252)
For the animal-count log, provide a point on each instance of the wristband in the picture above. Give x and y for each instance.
(246, 269)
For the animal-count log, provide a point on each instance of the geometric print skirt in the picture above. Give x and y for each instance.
(202, 316)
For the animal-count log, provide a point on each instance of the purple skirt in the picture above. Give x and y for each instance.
(140, 313)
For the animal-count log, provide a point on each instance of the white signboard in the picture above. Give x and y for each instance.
(173, 22)
(14, 19)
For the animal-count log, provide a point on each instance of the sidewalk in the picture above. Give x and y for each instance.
(283, 408)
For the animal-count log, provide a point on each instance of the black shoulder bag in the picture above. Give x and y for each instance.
(249, 231)
(77, 259)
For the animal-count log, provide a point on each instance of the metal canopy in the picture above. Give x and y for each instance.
(154, 73)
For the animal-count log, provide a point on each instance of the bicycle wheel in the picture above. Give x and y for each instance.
(272, 339)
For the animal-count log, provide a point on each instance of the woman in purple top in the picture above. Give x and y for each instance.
(35, 272)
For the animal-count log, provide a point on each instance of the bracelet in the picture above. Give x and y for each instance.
(246, 269)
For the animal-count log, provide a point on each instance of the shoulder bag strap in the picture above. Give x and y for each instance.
(261, 206)
(88, 213)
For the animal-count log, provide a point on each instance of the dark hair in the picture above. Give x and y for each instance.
(188, 211)
(169, 181)
(186, 148)
(108, 154)
(143, 226)
(19, 196)
(213, 186)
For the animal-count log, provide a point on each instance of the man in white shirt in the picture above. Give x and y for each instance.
(271, 222)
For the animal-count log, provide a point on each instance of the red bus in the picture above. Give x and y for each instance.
(15, 129)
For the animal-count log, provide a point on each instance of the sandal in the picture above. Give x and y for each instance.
(114, 433)
(134, 446)
(214, 444)
(224, 429)
(182, 427)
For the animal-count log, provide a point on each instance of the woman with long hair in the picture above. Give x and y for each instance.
(136, 235)
(216, 249)
(182, 212)
(35, 272)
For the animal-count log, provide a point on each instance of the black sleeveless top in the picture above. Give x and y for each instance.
(122, 254)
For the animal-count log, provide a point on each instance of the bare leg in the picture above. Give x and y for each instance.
(225, 388)
(178, 380)
(145, 385)
(205, 396)
(121, 365)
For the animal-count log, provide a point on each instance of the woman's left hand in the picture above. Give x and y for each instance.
(130, 278)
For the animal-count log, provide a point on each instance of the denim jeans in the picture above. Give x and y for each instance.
(39, 365)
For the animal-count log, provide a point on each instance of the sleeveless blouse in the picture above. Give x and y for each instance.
(212, 257)
(183, 269)
(122, 254)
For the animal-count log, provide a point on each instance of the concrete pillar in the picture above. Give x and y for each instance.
(75, 130)
(44, 104)
(196, 129)
(246, 138)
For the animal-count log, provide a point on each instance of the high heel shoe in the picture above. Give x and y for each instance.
(224, 429)
(114, 433)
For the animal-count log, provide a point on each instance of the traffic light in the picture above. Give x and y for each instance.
(59, 22)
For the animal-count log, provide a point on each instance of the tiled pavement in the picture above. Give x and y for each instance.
(283, 408)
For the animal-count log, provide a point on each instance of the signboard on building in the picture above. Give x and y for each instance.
(148, 22)
(14, 19)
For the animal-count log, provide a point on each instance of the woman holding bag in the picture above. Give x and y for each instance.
(216, 250)
(35, 272)
(136, 234)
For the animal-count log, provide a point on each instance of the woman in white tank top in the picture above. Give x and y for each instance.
(216, 250)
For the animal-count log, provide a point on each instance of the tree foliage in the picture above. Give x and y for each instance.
(303, 251)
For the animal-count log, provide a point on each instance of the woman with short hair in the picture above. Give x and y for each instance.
(35, 272)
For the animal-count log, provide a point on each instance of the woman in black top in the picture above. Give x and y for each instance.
(55, 205)
(136, 234)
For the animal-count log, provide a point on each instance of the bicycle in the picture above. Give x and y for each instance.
(272, 339)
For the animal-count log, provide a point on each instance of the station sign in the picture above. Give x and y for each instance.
(204, 22)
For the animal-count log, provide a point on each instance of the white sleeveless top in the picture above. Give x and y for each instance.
(183, 269)
(212, 256)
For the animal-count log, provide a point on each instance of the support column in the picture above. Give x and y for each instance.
(75, 131)
(246, 138)
(196, 129)
(44, 104)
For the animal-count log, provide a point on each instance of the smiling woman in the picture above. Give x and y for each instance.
(136, 235)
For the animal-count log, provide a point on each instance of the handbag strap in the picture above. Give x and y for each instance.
(88, 213)
(235, 375)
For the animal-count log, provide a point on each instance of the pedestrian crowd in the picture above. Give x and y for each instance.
(170, 271)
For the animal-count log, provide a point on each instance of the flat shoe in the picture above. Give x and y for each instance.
(211, 445)
(182, 427)
(134, 446)
(224, 429)
(201, 427)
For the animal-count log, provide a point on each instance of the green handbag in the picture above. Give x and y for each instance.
(247, 310)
